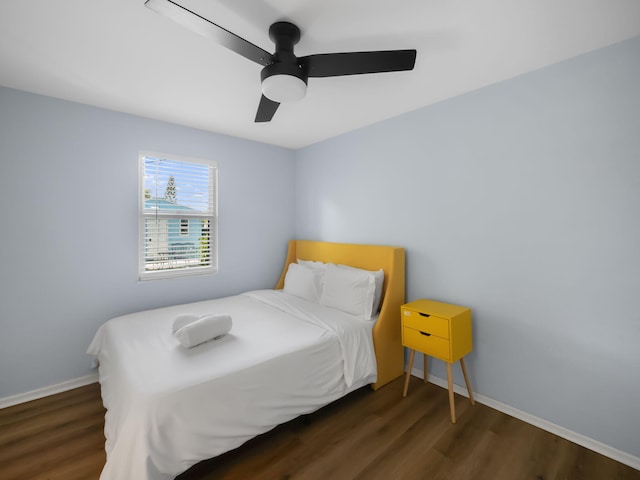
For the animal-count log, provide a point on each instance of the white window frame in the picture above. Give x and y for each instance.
(170, 271)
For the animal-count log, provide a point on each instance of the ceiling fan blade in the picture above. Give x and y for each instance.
(266, 109)
(356, 63)
(207, 28)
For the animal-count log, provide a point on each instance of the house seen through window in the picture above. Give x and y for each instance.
(178, 216)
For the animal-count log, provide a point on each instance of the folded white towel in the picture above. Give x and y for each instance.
(207, 327)
(182, 320)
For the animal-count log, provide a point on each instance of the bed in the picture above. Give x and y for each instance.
(169, 407)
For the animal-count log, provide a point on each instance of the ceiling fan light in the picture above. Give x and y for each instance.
(283, 88)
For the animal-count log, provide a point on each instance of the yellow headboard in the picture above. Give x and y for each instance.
(386, 332)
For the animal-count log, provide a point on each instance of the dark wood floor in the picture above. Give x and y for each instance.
(367, 435)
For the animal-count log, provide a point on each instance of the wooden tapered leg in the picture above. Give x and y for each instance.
(466, 380)
(425, 367)
(452, 405)
(409, 367)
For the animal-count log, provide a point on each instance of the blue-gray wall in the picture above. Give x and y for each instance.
(69, 228)
(522, 201)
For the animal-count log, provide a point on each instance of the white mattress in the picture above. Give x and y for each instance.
(169, 407)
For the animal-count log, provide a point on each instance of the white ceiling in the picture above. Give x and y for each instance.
(119, 55)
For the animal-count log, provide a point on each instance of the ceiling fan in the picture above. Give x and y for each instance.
(284, 76)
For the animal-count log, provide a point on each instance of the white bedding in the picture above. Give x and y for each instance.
(169, 407)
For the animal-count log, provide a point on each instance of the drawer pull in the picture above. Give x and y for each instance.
(424, 314)
(425, 334)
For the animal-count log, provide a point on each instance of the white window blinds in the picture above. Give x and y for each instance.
(178, 216)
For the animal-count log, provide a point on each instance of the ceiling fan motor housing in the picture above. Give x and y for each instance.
(284, 80)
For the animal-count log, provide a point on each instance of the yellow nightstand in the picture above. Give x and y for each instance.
(439, 330)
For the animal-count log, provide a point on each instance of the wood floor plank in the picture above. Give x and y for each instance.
(365, 436)
(50, 403)
(47, 423)
(401, 455)
(367, 441)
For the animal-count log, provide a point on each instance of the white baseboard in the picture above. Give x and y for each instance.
(50, 390)
(577, 438)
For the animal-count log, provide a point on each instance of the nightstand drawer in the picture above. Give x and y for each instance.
(430, 344)
(426, 323)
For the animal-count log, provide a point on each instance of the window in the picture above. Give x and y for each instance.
(178, 216)
(184, 227)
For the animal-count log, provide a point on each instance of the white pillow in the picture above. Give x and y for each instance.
(318, 268)
(303, 282)
(351, 290)
(313, 265)
(379, 279)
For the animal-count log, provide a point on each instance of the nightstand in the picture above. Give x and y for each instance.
(439, 330)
